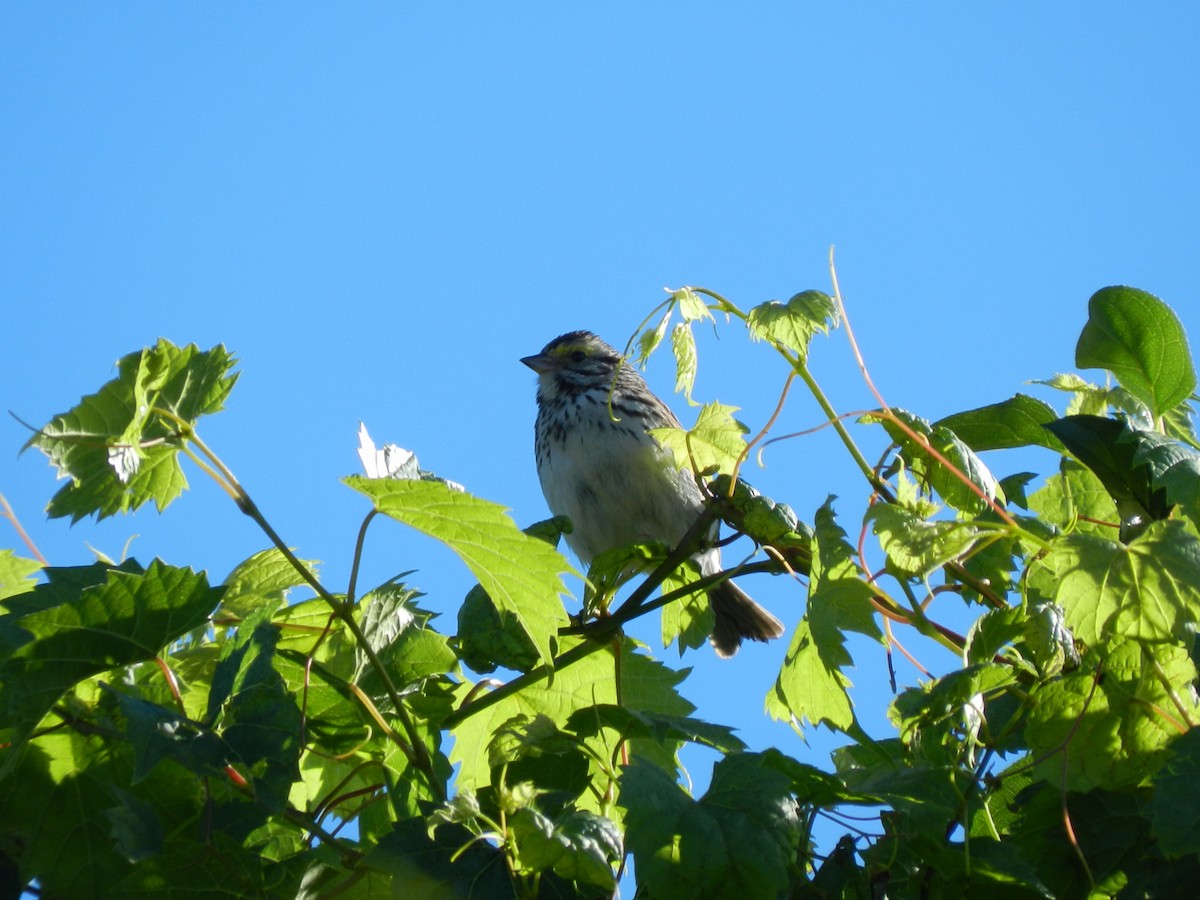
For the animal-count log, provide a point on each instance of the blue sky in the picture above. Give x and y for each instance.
(380, 207)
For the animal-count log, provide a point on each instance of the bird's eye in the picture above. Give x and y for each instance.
(578, 356)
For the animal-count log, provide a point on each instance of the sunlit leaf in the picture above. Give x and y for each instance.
(716, 441)
(16, 574)
(1109, 728)
(1139, 339)
(520, 573)
(119, 424)
(793, 324)
(916, 547)
(1016, 422)
(683, 345)
(922, 456)
(1147, 590)
(811, 685)
(88, 620)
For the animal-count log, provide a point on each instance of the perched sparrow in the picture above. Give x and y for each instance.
(613, 480)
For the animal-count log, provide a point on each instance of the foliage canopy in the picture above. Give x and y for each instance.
(162, 735)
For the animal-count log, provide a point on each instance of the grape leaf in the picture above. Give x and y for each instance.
(261, 579)
(15, 574)
(520, 573)
(738, 840)
(1110, 728)
(1148, 589)
(793, 324)
(116, 450)
(683, 345)
(1177, 796)
(715, 442)
(86, 620)
(811, 685)
(927, 467)
(914, 546)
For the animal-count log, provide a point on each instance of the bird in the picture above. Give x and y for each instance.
(600, 467)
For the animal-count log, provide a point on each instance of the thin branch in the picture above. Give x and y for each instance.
(16, 524)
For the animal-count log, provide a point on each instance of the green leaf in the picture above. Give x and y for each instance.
(647, 686)
(533, 750)
(716, 441)
(650, 338)
(915, 547)
(691, 305)
(1075, 500)
(521, 574)
(16, 574)
(1148, 590)
(1173, 468)
(396, 629)
(739, 840)
(88, 620)
(919, 710)
(931, 470)
(451, 863)
(1138, 338)
(157, 732)
(116, 450)
(137, 831)
(51, 811)
(660, 727)
(579, 846)
(1177, 797)
(255, 714)
(792, 325)
(691, 619)
(811, 685)
(488, 637)
(1108, 448)
(1016, 422)
(1086, 398)
(683, 345)
(262, 579)
(1110, 727)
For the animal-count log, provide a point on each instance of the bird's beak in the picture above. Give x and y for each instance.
(541, 363)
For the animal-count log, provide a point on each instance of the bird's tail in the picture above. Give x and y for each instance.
(739, 617)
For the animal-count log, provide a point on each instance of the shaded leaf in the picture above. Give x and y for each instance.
(738, 840)
(451, 863)
(658, 726)
(1108, 447)
(1177, 797)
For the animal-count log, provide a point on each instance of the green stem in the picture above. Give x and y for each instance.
(344, 610)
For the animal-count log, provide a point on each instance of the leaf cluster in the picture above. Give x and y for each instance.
(269, 734)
